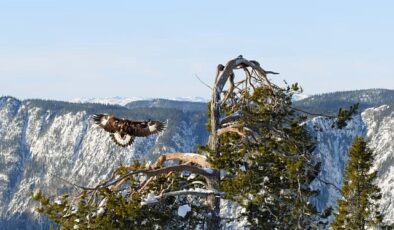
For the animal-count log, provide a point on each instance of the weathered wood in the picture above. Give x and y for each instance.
(199, 192)
(195, 158)
(230, 129)
(207, 173)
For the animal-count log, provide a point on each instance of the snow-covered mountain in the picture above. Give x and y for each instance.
(107, 100)
(300, 96)
(43, 140)
(126, 100)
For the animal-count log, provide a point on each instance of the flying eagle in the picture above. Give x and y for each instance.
(124, 131)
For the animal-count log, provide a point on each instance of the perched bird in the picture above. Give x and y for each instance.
(124, 131)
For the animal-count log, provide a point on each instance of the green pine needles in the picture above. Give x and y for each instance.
(268, 172)
(358, 208)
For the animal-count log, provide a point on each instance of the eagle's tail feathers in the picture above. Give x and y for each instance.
(124, 141)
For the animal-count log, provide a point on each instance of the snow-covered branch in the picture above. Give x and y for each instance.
(206, 172)
(194, 192)
(179, 168)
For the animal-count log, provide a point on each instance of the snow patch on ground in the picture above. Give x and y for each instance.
(150, 199)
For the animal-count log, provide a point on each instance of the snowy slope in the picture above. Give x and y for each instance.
(377, 126)
(332, 153)
(41, 141)
(380, 122)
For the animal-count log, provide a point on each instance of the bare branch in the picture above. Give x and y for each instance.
(219, 69)
(329, 183)
(230, 118)
(168, 188)
(119, 183)
(203, 82)
(199, 192)
(313, 114)
(194, 158)
(145, 183)
(231, 88)
(256, 66)
(230, 129)
(271, 72)
(249, 77)
(68, 182)
(151, 173)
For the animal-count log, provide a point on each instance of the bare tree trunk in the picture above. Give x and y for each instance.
(223, 73)
(225, 76)
(214, 202)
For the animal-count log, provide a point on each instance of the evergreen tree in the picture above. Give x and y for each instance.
(269, 169)
(358, 208)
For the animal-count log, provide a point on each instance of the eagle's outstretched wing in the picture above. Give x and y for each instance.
(145, 128)
(124, 131)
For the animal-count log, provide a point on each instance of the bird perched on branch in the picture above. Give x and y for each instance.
(124, 131)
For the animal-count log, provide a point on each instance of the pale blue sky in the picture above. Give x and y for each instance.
(68, 49)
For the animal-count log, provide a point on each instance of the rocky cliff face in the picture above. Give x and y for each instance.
(43, 140)
(377, 126)
(380, 133)
(375, 123)
(331, 151)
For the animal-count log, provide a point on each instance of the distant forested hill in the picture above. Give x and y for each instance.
(330, 102)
